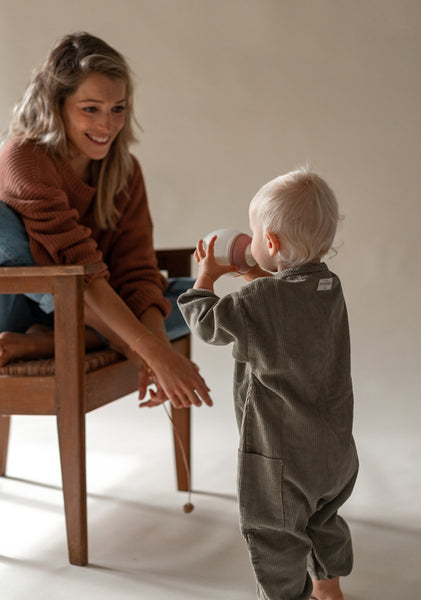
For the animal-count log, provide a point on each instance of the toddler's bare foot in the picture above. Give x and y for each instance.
(37, 342)
(327, 589)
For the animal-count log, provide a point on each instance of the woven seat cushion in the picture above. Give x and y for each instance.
(46, 366)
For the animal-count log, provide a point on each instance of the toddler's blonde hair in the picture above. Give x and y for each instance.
(301, 209)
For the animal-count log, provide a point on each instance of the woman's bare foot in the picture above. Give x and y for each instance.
(327, 589)
(36, 342)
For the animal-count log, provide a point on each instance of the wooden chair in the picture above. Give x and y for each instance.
(73, 383)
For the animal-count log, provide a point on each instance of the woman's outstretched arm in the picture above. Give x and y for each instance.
(177, 376)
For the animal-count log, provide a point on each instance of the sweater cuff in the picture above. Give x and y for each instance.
(102, 272)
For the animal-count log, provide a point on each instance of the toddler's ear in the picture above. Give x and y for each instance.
(273, 243)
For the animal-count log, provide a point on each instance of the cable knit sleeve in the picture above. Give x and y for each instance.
(32, 185)
(131, 258)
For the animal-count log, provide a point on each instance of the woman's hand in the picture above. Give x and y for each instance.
(209, 269)
(177, 379)
(157, 396)
(180, 394)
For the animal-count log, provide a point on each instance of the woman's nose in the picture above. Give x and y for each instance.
(104, 122)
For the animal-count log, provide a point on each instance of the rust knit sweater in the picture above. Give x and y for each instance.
(57, 210)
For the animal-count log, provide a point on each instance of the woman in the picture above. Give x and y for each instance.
(72, 194)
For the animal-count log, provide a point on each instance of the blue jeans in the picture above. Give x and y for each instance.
(20, 311)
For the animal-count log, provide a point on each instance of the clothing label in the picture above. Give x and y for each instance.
(325, 284)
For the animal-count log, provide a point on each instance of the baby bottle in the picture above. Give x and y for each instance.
(232, 247)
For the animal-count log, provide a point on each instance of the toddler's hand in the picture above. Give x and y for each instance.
(255, 273)
(209, 269)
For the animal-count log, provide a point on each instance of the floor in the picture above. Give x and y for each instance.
(141, 543)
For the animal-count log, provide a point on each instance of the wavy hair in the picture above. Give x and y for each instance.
(301, 209)
(38, 115)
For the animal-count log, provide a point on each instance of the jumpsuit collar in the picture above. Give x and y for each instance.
(302, 270)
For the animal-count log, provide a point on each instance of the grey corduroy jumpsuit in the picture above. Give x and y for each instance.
(294, 405)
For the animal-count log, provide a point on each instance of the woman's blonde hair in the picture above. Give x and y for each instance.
(301, 209)
(38, 115)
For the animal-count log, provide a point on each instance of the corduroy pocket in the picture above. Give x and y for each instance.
(260, 491)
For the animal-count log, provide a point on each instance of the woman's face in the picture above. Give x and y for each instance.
(93, 117)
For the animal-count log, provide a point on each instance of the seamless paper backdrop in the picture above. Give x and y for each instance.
(231, 93)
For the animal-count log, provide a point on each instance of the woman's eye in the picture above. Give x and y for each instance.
(89, 109)
(119, 109)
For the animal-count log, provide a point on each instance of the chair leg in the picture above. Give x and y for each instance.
(69, 332)
(4, 442)
(181, 422)
(73, 470)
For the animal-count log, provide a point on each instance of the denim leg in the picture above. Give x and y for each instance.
(175, 324)
(18, 311)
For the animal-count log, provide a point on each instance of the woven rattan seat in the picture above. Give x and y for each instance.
(46, 366)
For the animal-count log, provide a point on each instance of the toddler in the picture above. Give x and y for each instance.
(297, 460)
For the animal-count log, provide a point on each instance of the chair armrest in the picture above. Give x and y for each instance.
(15, 280)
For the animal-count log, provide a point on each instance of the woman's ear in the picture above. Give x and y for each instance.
(273, 243)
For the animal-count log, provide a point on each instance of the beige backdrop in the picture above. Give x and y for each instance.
(231, 93)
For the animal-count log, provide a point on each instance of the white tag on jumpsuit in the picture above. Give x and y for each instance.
(325, 284)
